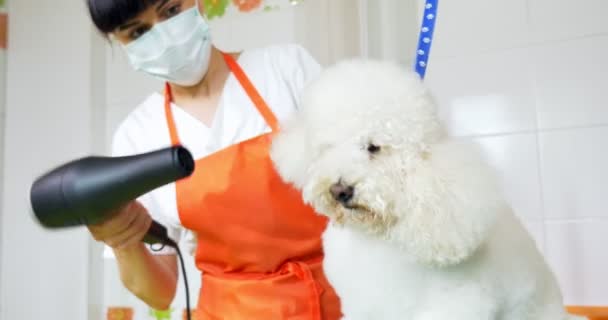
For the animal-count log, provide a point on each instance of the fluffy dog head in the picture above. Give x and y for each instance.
(368, 150)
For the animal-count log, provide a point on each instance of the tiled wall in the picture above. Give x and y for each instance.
(44, 274)
(3, 33)
(527, 80)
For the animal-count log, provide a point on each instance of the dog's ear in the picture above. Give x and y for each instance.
(290, 152)
(451, 202)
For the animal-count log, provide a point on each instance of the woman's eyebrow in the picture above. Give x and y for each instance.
(160, 4)
(128, 25)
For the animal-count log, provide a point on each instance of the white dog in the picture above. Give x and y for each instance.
(419, 230)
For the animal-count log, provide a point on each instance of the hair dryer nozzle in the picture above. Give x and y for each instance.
(184, 160)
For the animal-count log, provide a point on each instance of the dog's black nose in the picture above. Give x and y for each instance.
(342, 193)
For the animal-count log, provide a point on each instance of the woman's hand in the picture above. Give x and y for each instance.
(152, 278)
(126, 227)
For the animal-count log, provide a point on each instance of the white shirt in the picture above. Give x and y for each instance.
(279, 73)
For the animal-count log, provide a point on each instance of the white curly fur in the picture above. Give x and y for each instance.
(426, 235)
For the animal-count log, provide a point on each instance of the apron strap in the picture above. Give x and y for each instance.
(169, 116)
(251, 91)
(249, 88)
(303, 272)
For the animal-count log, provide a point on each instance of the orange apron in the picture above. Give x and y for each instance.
(259, 246)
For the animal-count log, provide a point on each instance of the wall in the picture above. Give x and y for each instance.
(389, 29)
(49, 116)
(3, 32)
(526, 79)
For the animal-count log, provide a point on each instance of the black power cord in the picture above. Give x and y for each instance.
(174, 245)
(181, 262)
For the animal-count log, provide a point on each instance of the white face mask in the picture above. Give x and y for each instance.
(177, 50)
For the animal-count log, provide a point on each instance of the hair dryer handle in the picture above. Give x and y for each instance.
(158, 234)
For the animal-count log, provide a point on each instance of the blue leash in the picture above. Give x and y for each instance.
(426, 37)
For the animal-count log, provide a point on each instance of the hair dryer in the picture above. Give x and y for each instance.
(87, 190)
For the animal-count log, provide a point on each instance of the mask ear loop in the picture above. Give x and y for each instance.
(201, 8)
(114, 42)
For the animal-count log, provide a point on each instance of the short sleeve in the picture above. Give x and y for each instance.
(300, 68)
(123, 145)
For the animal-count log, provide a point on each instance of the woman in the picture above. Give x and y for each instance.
(257, 245)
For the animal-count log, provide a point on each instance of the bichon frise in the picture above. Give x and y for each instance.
(418, 229)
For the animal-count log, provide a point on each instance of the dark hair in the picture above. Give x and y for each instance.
(107, 15)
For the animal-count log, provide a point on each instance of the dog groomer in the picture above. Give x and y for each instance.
(257, 245)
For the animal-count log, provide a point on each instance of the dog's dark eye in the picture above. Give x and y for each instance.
(372, 148)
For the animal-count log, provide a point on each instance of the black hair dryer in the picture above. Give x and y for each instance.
(85, 191)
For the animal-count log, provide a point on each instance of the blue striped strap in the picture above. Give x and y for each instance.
(426, 37)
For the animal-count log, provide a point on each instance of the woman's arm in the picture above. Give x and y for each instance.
(152, 278)
(149, 276)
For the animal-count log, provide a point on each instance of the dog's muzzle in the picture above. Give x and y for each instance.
(342, 193)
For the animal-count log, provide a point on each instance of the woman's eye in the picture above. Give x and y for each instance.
(173, 11)
(372, 148)
(137, 32)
